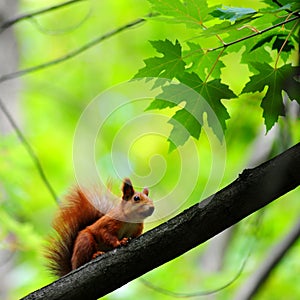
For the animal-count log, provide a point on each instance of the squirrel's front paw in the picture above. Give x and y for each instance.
(124, 241)
(98, 253)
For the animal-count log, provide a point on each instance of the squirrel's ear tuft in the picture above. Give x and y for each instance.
(127, 189)
(146, 191)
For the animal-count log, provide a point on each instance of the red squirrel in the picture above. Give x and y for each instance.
(88, 224)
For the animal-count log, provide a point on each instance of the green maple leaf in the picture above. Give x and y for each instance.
(226, 27)
(191, 13)
(184, 125)
(199, 97)
(212, 91)
(187, 121)
(221, 28)
(201, 61)
(277, 81)
(167, 66)
(277, 42)
(253, 53)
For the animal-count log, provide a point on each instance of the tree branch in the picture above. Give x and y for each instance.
(73, 53)
(9, 23)
(29, 150)
(254, 34)
(254, 189)
(259, 277)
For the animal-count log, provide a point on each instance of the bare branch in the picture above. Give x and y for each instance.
(73, 53)
(254, 189)
(9, 23)
(29, 149)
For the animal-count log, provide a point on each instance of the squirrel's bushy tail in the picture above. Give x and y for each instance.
(75, 213)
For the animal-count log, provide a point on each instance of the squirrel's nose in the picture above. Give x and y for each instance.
(150, 210)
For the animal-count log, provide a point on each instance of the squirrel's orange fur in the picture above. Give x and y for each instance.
(83, 232)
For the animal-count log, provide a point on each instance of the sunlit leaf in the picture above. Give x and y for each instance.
(190, 13)
(202, 62)
(167, 66)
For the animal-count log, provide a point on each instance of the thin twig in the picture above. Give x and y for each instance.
(167, 292)
(29, 149)
(217, 36)
(9, 23)
(73, 53)
(43, 30)
(254, 34)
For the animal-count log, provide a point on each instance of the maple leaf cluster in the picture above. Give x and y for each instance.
(194, 84)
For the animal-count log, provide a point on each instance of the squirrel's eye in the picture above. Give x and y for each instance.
(136, 198)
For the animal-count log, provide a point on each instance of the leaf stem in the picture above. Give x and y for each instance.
(284, 43)
(217, 36)
(214, 65)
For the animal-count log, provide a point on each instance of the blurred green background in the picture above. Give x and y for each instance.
(50, 103)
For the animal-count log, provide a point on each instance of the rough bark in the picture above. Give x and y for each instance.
(253, 189)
